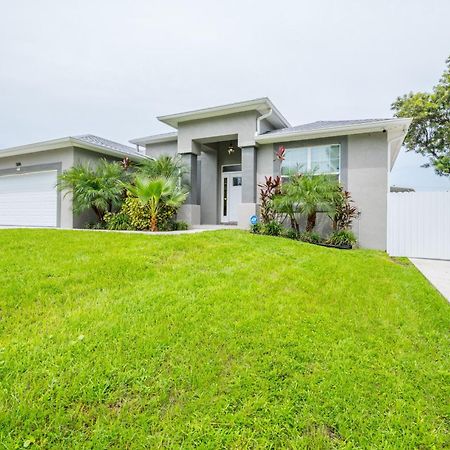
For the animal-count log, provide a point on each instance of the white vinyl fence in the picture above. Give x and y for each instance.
(419, 224)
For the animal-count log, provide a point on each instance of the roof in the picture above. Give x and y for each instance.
(263, 105)
(85, 141)
(327, 128)
(156, 138)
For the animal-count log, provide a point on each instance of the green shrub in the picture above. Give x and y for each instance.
(118, 221)
(342, 238)
(311, 237)
(139, 215)
(180, 225)
(256, 228)
(95, 226)
(272, 228)
(290, 233)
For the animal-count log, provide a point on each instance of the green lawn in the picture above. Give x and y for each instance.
(213, 340)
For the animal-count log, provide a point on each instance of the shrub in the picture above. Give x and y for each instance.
(95, 226)
(118, 221)
(256, 228)
(180, 225)
(139, 215)
(272, 228)
(290, 233)
(342, 238)
(344, 210)
(311, 237)
(268, 190)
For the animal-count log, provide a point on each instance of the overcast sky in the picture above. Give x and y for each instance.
(108, 67)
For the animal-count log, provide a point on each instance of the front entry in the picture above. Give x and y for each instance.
(231, 196)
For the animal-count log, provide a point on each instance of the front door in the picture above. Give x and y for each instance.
(231, 195)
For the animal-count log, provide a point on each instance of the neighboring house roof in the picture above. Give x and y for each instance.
(329, 128)
(85, 141)
(156, 138)
(262, 105)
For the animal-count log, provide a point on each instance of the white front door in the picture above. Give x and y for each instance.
(231, 195)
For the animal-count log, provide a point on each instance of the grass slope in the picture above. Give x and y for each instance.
(219, 339)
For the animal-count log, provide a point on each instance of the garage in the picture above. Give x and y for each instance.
(29, 199)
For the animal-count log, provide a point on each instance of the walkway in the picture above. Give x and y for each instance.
(437, 272)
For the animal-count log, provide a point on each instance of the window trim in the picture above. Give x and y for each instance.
(309, 159)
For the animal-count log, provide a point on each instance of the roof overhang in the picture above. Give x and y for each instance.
(261, 105)
(155, 139)
(368, 127)
(65, 142)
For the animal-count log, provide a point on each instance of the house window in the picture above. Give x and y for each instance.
(323, 159)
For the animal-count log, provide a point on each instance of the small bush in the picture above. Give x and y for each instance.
(139, 215)
(311, 237)
(290, 233)
(118, 221)
(272, 228)
(256, 228)
(95, 226)
(180, 225)
(342, 238)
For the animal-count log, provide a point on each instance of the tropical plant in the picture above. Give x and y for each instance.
(180, 225)
(118, 221)
(97, 187)
(268, 190)
(272, 228)
(344, 210)
(256, 228)
(290, 233)
(170, 167)
(156, 192)
(429, 133)
(342, 238)
(311, 237)
(307, 194)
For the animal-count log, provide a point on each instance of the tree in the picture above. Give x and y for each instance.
(429, 133)
(307, 194)
(94, 187)
(162, 166)
(156, 192)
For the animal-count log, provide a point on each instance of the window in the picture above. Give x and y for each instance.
(324, 159)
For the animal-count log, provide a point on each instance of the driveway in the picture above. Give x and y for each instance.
(437, 272)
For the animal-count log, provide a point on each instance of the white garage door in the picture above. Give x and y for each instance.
(29, 199)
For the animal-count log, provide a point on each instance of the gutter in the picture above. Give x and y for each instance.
(261, 118)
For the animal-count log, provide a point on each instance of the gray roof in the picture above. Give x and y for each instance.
(324, 124)
(96, 140)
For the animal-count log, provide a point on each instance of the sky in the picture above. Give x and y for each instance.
(109, 67)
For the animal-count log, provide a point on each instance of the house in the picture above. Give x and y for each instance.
(228, 150)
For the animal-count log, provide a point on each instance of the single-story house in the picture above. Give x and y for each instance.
(227, 150)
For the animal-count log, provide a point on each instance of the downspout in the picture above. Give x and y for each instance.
(259, 119)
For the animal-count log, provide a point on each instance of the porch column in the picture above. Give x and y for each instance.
(248, 202)
(190, 211)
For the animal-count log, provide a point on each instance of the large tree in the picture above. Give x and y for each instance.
(429, 133)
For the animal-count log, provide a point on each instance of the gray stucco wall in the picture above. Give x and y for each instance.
(161, 149)
(64, 157)
(241, 126)
(367, 181)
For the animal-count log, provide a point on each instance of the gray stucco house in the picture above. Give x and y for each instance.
(228, 150)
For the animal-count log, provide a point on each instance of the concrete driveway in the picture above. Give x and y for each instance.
(437, 272)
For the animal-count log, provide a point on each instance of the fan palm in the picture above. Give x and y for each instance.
(94, 187)
(307, 194)
(163, 166)
(156, 192)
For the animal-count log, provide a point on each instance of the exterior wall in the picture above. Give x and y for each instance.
(161, 149)
(367, 181)
(242, 126)
(62, 158)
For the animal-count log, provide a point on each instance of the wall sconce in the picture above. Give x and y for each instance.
(18, 166)
(230, 148)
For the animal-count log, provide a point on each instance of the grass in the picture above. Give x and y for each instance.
(213, 340)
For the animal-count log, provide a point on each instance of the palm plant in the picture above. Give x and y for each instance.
(163, 166)
(308, 194)
(157, 192)
(96, 187)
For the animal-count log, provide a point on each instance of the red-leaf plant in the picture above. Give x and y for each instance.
(268, 189)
